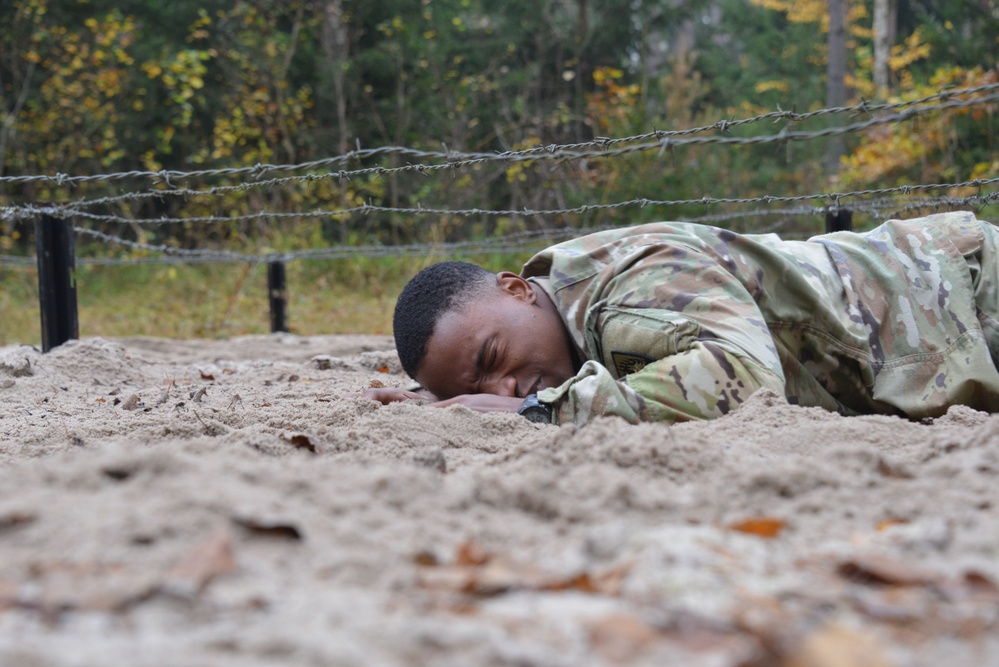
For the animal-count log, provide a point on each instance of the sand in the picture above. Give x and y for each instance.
(224, 503)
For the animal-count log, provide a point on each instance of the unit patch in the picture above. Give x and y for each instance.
(626, 363)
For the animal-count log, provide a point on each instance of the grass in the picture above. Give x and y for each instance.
(220, 300)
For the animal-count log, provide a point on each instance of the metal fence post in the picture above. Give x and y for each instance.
(839, 220)
(56, 281)
(277, 292)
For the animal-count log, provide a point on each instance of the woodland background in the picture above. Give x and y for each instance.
(95, 87)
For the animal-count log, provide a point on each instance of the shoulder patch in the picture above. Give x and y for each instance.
(626, 363)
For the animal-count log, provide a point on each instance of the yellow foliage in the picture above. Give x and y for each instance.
(73, 117)
(984, 170)
(517, 171)
(799, 11)
(611, 104)
(778, 85)
(913, 50)
(920, 151)
(817, 11)
(603, 75)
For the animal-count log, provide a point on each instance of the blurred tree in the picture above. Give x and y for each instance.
(885, 17)
(836, 94)
(92, 86)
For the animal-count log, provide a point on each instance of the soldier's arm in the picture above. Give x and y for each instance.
(706, 380)
(699, 366)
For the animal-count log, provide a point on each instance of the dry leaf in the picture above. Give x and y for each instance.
(893, 471)
(9, 594)
(894, 605)
(610, 581)
(582, 582)
(970, 584)
(193, 572)
(15, 518)
(383, 369)
(477, 572)
(880, 569)
(376, 384)
(621, 638)
(500, 575)
(497, 576)
(425, 559)
(301, 441)
(888, 523)
(269, 527)
(837, 646)
(978, 581)
(89, 586)
(765, 527)
(470, 553)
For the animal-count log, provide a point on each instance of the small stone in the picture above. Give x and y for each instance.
(432, 459)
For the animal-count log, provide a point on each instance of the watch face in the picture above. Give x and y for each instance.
(537, 414)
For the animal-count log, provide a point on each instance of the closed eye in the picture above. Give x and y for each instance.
(484, 359)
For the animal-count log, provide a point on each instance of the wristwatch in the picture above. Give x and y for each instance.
(535, 411)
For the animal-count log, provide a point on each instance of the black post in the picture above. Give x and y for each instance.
(56, 281)
(278, 296)
(839, 220)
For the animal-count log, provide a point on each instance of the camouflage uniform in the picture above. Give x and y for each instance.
(679, 321)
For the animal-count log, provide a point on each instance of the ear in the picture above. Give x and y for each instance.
(512, 284)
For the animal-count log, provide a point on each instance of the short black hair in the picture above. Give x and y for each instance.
(434, 291)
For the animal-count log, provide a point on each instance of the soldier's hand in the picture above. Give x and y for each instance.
(386, 395)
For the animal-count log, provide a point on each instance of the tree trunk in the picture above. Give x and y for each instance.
(884, 35)
(836, 76)
(336, 48)
(582, 70)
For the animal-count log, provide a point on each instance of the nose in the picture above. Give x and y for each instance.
(503, 386)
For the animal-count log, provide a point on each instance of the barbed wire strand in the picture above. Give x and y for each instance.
(664, 140)
(495, 244)
(836, 198)
(453, 160)
(506, 243)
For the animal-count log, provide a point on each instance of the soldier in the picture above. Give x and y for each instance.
(677, 321)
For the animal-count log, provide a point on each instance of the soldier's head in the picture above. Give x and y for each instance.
(460, 329)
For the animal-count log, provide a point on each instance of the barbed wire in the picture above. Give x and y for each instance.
(512, 242)
(32, 212)
(780, 114)
(507, 243)
(503, 243)
(873, 201)
(664, 139)
(500, 244)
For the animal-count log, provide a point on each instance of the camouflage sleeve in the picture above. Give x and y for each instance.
(706, 380)
(667, 318)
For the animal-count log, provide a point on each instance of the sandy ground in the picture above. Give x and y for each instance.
(223, 503)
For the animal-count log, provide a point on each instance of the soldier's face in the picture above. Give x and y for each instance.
(510, 343)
